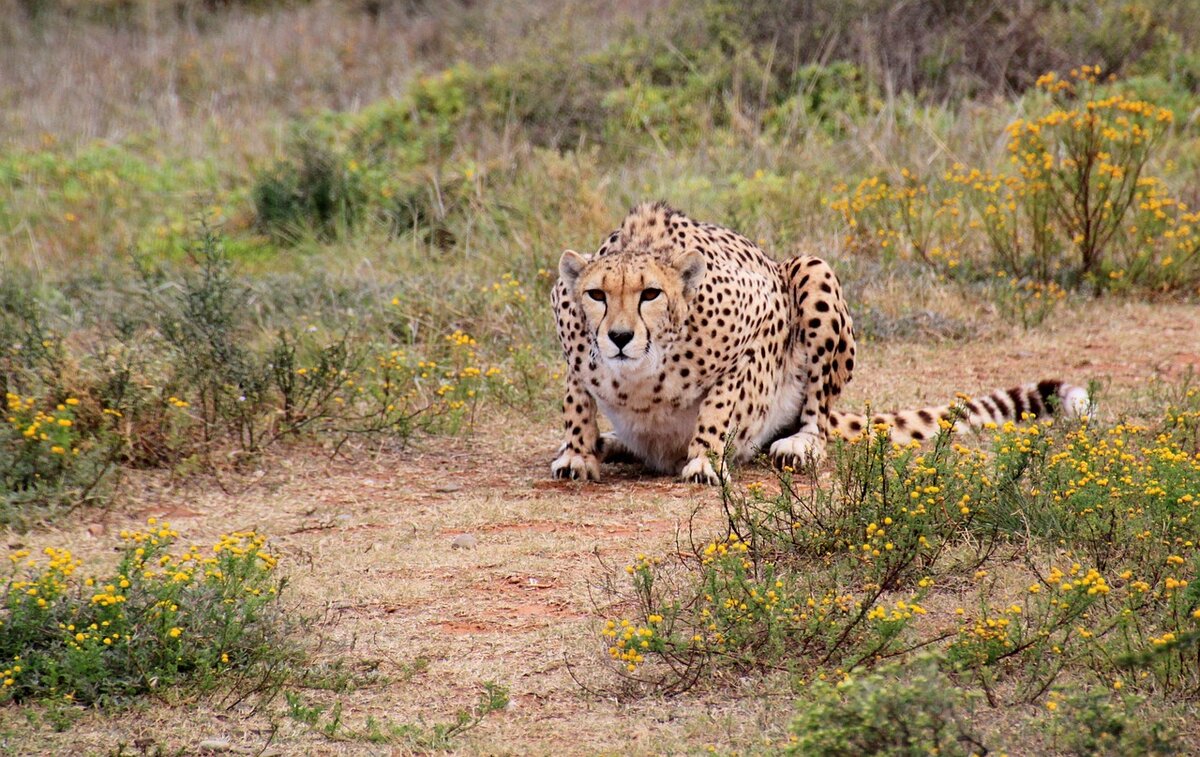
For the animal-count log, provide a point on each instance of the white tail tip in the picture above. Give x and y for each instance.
(1075, 402)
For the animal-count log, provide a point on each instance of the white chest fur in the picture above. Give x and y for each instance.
(653, 410)
(659, 435)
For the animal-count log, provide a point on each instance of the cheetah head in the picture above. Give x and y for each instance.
(635, 304)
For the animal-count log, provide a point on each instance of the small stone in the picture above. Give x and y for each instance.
(96, 529)
(448, 488)
(464, 541)
(214, 745)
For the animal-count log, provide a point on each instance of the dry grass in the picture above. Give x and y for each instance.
(193, 81)
(366, 541)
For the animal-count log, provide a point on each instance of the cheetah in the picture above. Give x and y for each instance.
(692, 341)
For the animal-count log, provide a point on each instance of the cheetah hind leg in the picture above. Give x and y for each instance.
(800, 450)
(611, 449)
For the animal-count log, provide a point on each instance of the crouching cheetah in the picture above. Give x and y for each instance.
(692, 341)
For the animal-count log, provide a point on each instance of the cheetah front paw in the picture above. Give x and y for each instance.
(699, 470)
(798, 450)
(576, 466)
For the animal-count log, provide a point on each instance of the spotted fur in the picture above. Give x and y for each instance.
(692, 341)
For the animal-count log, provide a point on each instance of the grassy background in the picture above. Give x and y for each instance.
(371, 168)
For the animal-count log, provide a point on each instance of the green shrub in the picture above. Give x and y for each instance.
(387, 166)
(834, 575)
(51, 460)
(900, 710)
(1100, 721)
(159, 618)
(1073, 207)
(831, 97)
(317, 195)
(58, 450)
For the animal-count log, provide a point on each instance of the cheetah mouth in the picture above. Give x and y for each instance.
(623, 356)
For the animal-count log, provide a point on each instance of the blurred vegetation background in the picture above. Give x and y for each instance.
(226, 222)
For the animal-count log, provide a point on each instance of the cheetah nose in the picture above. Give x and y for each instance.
(620, 338)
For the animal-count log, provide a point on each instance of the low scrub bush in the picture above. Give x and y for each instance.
(1075, 205)
(200, 366)
(164, 615)
(232, 381)
(1072, 550)
(421, 736)
(57, 449)
(912, 709)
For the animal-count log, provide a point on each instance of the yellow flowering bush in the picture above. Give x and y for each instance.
(1072, 205)
(1028, 302)
(1096, 524)
(50, 458)
(163, 615)
(735, 611)
(57, 449)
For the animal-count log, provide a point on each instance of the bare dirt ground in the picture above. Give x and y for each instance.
(366, 541)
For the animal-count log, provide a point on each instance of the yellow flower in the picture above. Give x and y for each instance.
(174, 633)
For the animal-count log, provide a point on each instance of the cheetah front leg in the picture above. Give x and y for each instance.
(577, 455)
(713, 426)
(823, 327)
(807, 445)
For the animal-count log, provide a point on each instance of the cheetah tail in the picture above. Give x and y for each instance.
(1042, 398)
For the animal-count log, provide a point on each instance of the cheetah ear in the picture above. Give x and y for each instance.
(570, 265)
(691, 266)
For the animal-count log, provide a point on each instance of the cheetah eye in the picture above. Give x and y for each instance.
(650, 294)
(596, 294)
